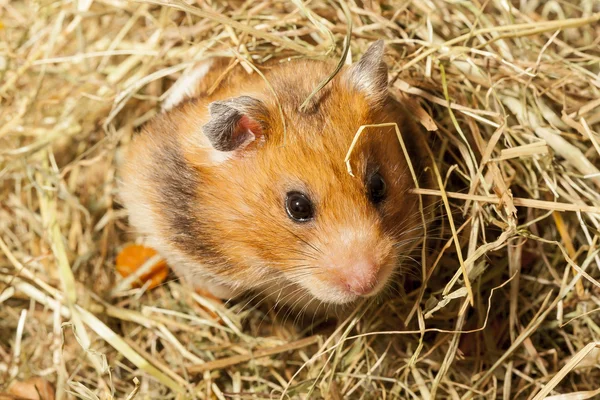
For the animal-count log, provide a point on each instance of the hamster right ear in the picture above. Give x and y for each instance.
(235, 123)
(370, 74)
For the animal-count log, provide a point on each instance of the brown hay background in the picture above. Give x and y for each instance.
(511, 93)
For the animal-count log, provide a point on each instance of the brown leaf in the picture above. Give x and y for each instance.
(133, 256)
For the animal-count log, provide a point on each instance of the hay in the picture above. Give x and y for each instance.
(508, 303)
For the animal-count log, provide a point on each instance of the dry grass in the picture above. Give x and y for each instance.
(510, 93)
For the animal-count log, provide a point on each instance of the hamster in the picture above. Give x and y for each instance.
(241, 190)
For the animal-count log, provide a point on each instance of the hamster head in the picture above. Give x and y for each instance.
(273, 200)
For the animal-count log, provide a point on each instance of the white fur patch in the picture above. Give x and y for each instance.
(186, 85)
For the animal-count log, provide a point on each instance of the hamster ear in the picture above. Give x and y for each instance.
(370, 74)
(235, 123)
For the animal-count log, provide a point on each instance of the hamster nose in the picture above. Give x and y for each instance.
(361, 279)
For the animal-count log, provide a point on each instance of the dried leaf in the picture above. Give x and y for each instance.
(132, 257)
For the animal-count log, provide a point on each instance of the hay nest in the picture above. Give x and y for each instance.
(508, 297)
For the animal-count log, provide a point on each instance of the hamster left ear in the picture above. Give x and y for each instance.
(235, 123)
(370, 74)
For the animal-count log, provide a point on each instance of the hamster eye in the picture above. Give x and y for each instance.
(298, 207)
(376, 188)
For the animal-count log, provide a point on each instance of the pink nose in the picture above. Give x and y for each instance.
(361, 277)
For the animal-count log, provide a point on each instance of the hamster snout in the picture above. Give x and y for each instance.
(357, 277)
(356, 262)
(360, 277)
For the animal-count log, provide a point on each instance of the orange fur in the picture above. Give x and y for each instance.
(219, 218)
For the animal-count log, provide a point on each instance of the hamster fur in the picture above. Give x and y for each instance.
(216, 182)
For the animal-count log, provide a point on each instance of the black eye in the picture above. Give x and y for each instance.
(298, 207)
(376, 188)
